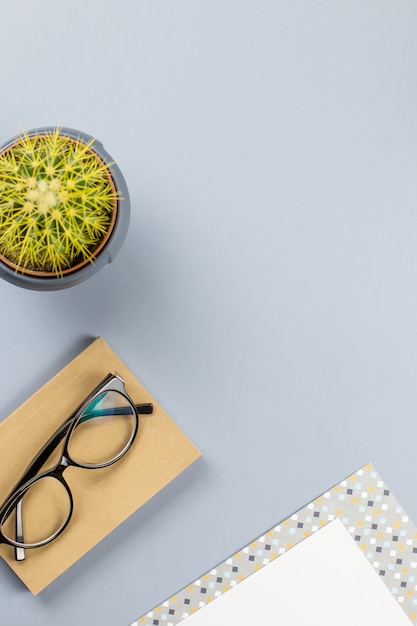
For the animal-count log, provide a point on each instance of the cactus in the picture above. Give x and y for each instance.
(57, 203)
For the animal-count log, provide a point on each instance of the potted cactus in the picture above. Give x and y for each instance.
(64, 208)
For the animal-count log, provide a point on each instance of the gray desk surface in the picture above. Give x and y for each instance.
(266, 293)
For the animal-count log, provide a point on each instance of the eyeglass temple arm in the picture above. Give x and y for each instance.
(49, 447)
(142, 409)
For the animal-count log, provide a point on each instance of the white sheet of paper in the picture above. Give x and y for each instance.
(322, 581)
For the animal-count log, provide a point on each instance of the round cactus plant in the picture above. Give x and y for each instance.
(58, 203)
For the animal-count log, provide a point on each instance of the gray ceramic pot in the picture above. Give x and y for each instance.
(114, 242)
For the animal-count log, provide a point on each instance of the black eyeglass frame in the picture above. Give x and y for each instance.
(112, 382)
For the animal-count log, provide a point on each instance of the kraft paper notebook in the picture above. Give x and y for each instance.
(103, 498)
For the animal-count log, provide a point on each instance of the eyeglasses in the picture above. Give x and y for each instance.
(97, 434)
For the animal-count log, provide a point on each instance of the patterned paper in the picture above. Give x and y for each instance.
(369, 511)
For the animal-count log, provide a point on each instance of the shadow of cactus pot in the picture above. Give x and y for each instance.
(64, 208)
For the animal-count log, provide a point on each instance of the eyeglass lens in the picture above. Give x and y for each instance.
(45, 509)
(103, 431)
